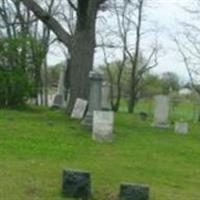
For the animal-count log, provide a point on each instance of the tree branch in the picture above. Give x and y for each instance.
(72, 5)
(50, 21)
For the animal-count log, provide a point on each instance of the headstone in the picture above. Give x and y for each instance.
(103, 125)
(130, 191)
(58, 101)
(94, 98)
(143, 115)
(181, 127)
(161, 111)
(105, 97)
(76, 184)
(79, 109)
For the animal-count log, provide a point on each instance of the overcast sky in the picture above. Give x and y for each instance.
(167, 14)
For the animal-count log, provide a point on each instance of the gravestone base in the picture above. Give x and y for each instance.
(161, 125)
(130, 191)
(87, 121)
(99, 137)
(76, 184)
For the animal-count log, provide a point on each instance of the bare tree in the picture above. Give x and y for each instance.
(188, 44)
(129, 19)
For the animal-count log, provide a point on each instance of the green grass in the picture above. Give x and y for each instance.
(36, 145)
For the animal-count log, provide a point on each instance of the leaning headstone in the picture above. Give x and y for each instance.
(130, 191)
(79, 109)
(181, 127)
(94, 98)
(161, 111)
(76, 184)
(105, 96)
(103, 125)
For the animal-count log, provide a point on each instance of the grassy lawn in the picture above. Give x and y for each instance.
(36, 145)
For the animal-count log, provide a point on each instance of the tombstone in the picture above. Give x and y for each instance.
(94, 98)
(76, 184)
(103, 125)
(143, 115)
(181, 127)
(59, 99)
(79, 109)
(130, 191)
(161, 111)
(105, 96)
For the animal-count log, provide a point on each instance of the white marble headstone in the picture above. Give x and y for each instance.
(79, 109)
(181, 127)
(103, 122)
(161, 111)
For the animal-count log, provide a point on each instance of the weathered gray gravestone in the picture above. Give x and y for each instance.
(79, 109)
(94, 98)
(76, 184)
(59, 98)
(161, 111)
(181, 127)
(105, 97)
(103, 125)
(58, 101)
(130, 191)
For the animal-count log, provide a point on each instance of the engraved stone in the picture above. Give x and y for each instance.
(103, 125)
(79, 109)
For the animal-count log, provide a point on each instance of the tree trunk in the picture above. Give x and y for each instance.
(81, 57)
(80, 45)
(45, 83)
(82, 52)
(132, 102)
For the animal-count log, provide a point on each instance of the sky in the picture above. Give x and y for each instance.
(166, 14)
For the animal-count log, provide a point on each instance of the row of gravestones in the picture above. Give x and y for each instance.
(77, 184)
(99, 116)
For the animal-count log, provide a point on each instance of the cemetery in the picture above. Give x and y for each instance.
(38, 143)
(99, 100)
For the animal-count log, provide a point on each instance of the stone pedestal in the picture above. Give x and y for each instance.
(105, 97)
(130, 191)
(76, 184)
(94, 98)
(103, 126)
(161, 111)
(181, 127)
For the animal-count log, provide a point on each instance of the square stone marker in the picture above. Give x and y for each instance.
(79, 109)
(103, 122)
(76, 184)
(130, 191)
(181, 128)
